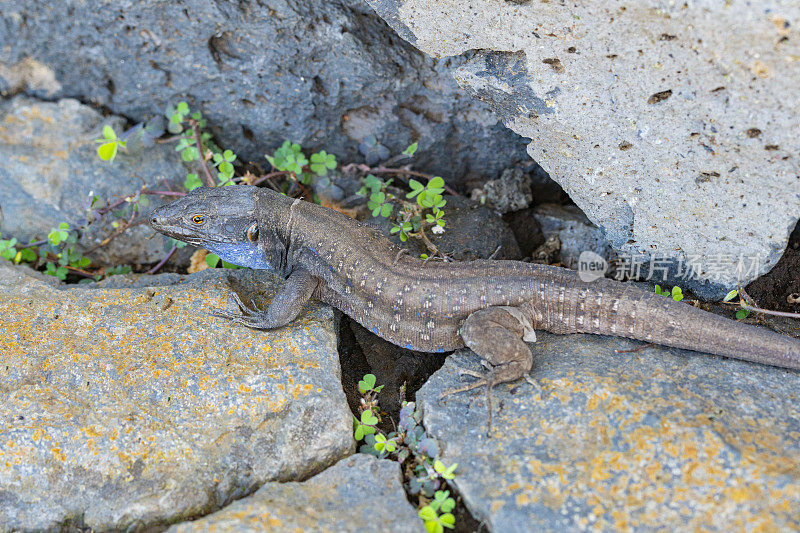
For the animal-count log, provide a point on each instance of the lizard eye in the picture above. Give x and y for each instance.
(198, 219)
(252, 232)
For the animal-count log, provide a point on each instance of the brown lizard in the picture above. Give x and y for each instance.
(492, 307)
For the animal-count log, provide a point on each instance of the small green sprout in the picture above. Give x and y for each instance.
(412, 148)
(7, 249)
(110, 144)
(447, 472)
(368, 384)
(365, 425)
(382, 444)
(321, 162)
(676, 293)
(197, 116)
(186, 146)
(177, 115)
(404, 228)
(117, 270)
(59, 234)
(289, 157)
(429, 195)
(379, 205)
(436, 217)
(58, 271)
(372, 185)
(435, 522)
(731, 295)
(192, 182)
(742, 313)
(224, 162)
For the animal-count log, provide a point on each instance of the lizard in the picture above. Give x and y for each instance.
(493, 307)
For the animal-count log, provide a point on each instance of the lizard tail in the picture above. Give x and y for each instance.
(611, 308)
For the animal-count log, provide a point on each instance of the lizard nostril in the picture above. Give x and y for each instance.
(153, 220)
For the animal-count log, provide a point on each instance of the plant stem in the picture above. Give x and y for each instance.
(750, 305)
(163, 193)
(196, 129)
(163, 261)
(268, 177)
(79, 271)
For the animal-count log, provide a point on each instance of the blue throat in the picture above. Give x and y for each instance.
(245, 255)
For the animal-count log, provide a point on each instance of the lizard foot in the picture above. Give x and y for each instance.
(249, 315)
(486, 379)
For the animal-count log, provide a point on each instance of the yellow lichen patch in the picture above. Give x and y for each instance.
(58, 454)
(649, 449)
(135, 383)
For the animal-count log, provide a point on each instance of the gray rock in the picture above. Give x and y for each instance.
(655, 439)
(127, 406)
(360, 493)
(673, 126)
(51, 169)
(326, 74)
(575, 232)
(510, 192)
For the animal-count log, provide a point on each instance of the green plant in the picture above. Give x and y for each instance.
(740, 313)
(224, 163)
(409, 444)
(288, 158)
(676, 293)
(192, 181)
(367, 385)
(441, 503)
(110, 144)
(117, 270)
(7, 249)
(365, 425)
(291, 160)
(411, 219)
(321, 162)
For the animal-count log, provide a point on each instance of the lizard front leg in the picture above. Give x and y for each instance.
(498, 335)
(285, 306)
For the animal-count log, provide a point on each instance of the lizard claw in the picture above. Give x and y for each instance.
(247, 309)
(486, 380)
(247, 315)
(468, 372)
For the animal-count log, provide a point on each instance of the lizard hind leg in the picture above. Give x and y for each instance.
(497, 335)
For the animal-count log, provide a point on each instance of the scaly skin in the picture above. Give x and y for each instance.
(432, 306)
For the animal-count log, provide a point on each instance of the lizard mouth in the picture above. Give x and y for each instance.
(162, 225)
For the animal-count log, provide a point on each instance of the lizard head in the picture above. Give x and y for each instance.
(220, 219)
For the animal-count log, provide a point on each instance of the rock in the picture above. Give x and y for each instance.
(674, 137)
(510, 192)
(326, 74)
(527, 230)
(575, 232)
(127, 406)
(653, 439)
(51, 170)
(360, 493)
(472, 231)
